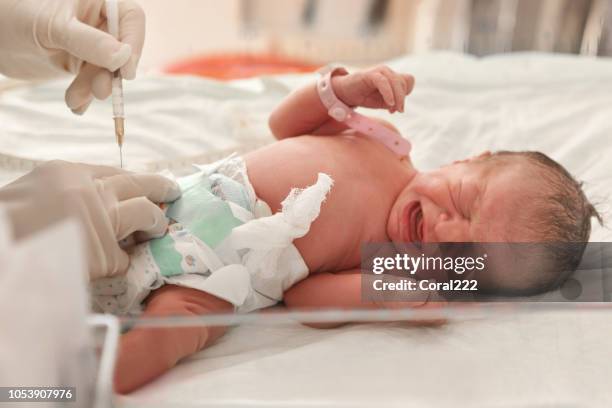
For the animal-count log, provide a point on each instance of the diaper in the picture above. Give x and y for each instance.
(222, 240)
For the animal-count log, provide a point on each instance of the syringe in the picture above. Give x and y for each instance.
(112, 18)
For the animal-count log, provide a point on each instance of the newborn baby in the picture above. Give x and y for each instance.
(376, 197)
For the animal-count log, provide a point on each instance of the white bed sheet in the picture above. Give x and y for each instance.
(540, 360)
(561, 105)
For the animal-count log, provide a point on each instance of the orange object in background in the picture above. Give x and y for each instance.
(237, 66)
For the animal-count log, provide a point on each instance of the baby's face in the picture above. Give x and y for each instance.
(461, 202)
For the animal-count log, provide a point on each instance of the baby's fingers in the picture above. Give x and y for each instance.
(398, 86)
(383, 85)
(409, 82)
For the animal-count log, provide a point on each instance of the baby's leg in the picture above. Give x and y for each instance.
(146, 353)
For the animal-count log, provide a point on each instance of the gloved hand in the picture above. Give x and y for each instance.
(110, 203)
(43, 38)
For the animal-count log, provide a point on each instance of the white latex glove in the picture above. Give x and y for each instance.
(45, 38)
(110, 203)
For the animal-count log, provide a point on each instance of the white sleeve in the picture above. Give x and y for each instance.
(43, 296)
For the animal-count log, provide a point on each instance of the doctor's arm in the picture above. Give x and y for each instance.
(302, 112)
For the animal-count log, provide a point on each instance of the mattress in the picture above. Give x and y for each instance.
(461, 106)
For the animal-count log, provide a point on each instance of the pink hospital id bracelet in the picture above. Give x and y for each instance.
(339, 111)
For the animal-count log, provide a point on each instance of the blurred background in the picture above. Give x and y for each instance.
(241, 38)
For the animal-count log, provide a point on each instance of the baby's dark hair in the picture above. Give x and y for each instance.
(559, 222)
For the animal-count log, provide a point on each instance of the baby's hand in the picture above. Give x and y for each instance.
(378, 88)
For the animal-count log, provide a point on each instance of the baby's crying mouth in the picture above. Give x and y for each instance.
(415, 223)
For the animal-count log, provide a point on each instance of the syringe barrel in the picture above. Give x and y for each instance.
(117, 96)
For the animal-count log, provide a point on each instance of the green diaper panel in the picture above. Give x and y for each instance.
(205, 215)
(200, 213)
(167, 258)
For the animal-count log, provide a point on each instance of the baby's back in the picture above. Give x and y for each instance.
(367, 178)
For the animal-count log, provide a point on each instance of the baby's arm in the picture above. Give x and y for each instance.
(146, 353)
(337, 291)
(302, 112)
